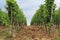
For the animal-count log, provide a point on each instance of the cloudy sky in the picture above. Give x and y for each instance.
(29, 7)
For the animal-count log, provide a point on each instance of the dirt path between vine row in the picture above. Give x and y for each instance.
(32, 33)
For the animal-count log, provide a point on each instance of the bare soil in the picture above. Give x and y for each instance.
(30, 33)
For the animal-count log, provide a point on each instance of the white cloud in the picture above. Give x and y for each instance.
(2, 4)
(29, 7)
(57, 2)
(29, 3)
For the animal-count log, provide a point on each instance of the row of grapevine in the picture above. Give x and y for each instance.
(47, 17)
(38, 16)
(4, 19)
(45, 13)
(57, 16)
(14, 14)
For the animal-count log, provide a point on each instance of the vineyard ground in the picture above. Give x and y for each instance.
(30, 33)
